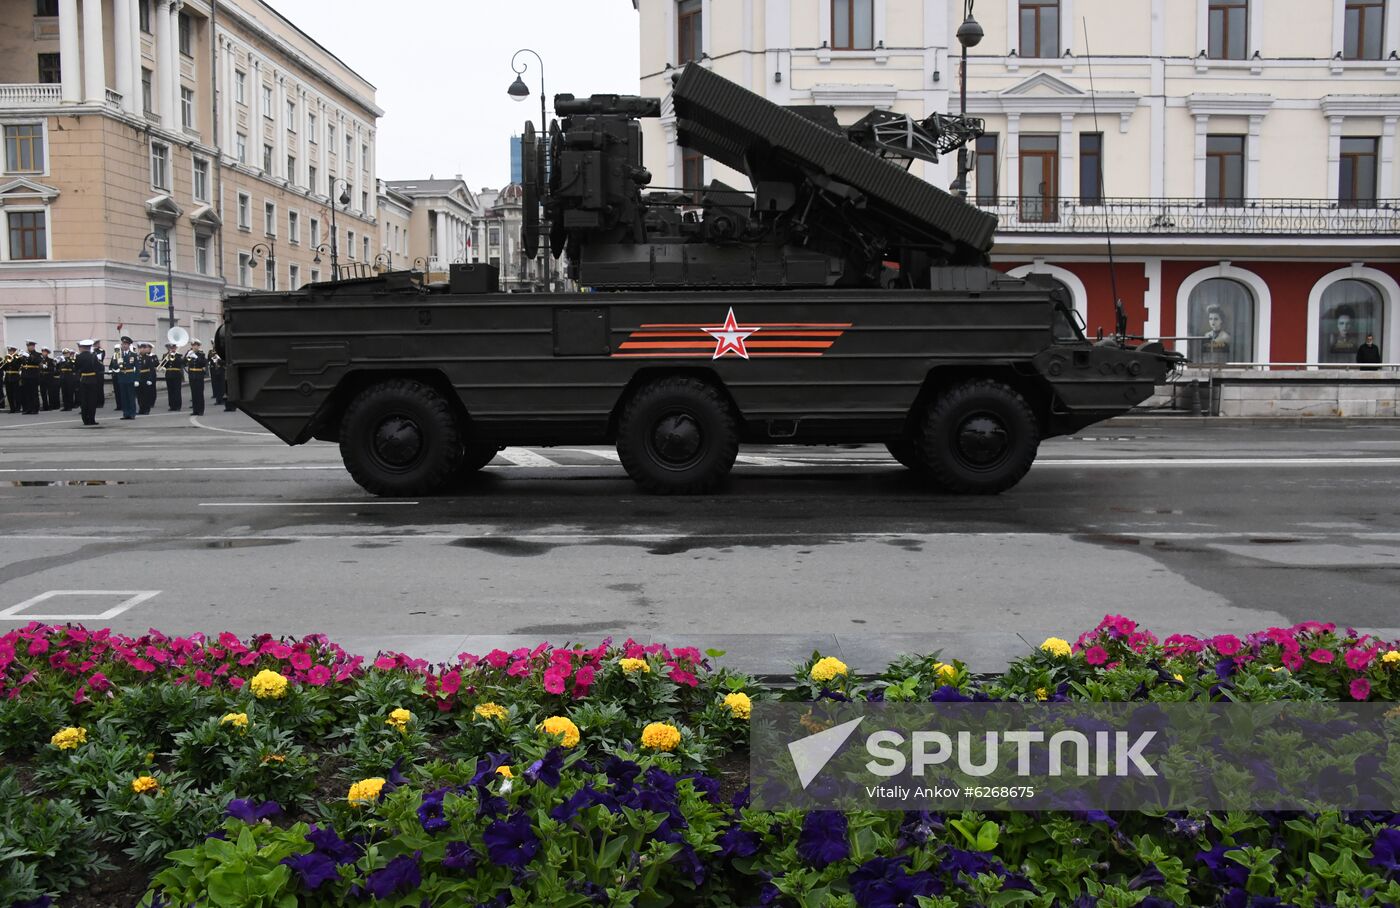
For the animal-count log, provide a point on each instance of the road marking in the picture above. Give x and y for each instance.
(194, 421)
(134, 597)
(1137, 532)
(1221, 462)
(524, 457)
(302, 504)
(104, 469)
(605, 453)
(759, 460)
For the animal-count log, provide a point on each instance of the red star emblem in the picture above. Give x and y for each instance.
(729, 337)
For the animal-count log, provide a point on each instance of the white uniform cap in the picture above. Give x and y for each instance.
(86, 343)
(195, 341)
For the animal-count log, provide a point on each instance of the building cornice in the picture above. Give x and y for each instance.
(1229, 105)
(1360, 105)
(294, 56)
(1062, 98)
(853, 95)
(27, 191)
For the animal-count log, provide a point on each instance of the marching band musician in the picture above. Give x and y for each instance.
(68, 380)
(124, 364)
(30, 377)
(195, 365)
(145, 378)
(89, 369)
(174, 365)
(10, 366)
(48, 380)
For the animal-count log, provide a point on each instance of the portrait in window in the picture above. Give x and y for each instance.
(1350, 310)
(1221, 319)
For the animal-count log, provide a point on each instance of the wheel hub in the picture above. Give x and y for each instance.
(676, 439)
(398, 441)
(982, 440)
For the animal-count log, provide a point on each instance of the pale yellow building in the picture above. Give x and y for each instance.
(1243, 152)
(214, 127)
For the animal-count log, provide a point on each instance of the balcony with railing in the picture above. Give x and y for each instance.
(1194, 217)
(30, 95)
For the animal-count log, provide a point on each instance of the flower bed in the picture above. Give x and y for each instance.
(222, 771)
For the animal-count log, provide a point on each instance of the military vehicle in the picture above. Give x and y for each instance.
(840, 300)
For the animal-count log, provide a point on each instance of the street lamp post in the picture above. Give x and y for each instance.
(269, 252)
(160, 244)
(519, 91)
(318, 249)
(969, 35)
(344, 200)
(384, 261)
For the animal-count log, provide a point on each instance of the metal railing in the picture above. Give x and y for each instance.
(21, 95)
(1177, 217)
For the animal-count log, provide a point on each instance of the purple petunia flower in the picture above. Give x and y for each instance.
(486, 769)
(1223, 869)
(689, 865)
(949, 694)
(704, 785)
(547, 768)
(315, 869)
(460, 856)
(1149, 877)
(621, 773)
(1385, 851)
(585, 797)
(332, 845)
(511, 842)
(249, 812)
(735, 842)
(885, 883)
(400, 875)
(823, 838)
(430, 811)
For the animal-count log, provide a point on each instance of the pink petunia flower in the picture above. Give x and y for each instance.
(1357, 659)
(386, 663)
(583, 679)
(1291, 661)
(497, 659)
(1095, 655)
(554, 681)
(683, 677)
(1360, 689)
(300, 661)
(450, 682)
(318, 675)
(98, 682)
(1322, 656)
(1226, 644)
(237, 682)
(519, 669)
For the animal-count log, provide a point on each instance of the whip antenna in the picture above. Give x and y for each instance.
(1120, 318)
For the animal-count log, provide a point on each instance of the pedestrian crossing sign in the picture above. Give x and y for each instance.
(157, 293)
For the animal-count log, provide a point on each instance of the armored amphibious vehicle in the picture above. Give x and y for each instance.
(839, 299)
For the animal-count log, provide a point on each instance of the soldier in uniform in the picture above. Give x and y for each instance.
(174, 365)
(68, 380)
(195, 365)
(124, 363)
(30, 378)
(216, 375)
(146, 378)
(9, 367)
(89, 374)
(48, 380)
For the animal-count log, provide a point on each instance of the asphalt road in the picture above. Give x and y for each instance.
(1187, 525)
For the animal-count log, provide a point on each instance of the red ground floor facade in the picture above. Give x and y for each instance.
(1261, 309)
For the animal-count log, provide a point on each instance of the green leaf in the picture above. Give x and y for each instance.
(714, 653)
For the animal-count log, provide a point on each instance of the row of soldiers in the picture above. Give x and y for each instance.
(35, 380)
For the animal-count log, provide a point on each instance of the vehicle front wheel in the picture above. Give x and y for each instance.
(979, 437)
(908, 455)
(399, 438)
(678, 436)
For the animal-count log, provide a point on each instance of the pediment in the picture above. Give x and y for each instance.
(205, 216)
(163, 208)
(1043, 85)
(28, 190)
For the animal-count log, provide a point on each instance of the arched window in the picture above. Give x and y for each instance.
(1222, 314)
(1350, 310)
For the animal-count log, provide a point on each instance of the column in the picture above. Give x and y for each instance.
(1385, 179)
(279, 126)
(324, 174)
(133, 31)
(303, 135)
(1013, 155)
(230, 108)
(122, 50)
(68, 53)
(1069, 154)
(1334, 156)
(172, 53)
(94, 57)
(1254, 157)
(1202, 124)
(442, 225)
(164, 77)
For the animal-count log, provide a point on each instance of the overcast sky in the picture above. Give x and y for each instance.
(442, 67)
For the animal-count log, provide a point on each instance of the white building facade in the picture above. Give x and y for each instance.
(1242, 152)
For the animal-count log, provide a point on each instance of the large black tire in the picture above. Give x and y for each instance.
(477, 455)
(979, 437)
(401, 438)
(908, 455)
(678, 436)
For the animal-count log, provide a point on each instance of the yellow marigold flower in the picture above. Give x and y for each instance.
(505, 772)
(634, 665)
(828, 668)
(237, 720)
(739, 704)
(812, 724)
(268, 685)
(1391, 657)
(1042, 694)
(69, 738)
(490, 711)
(399, 719)
(561, 726)
(273, 758)
(944, 671)
(1178, 677)
(365, 791)
(1055, 646)
(145, 785)
(661, 736)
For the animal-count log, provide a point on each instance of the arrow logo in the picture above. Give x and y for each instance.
(811, 754)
